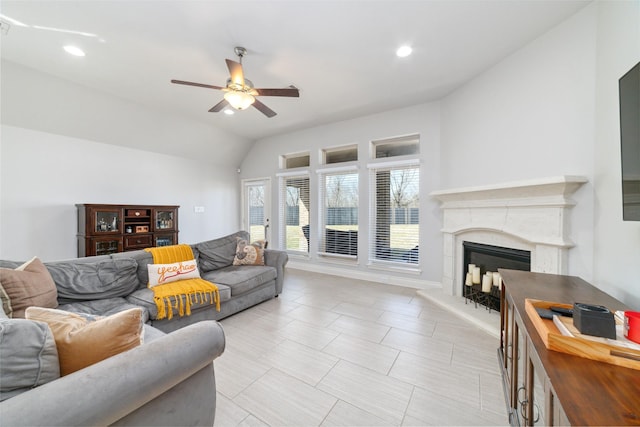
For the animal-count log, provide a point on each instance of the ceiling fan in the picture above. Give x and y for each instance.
(239, 92)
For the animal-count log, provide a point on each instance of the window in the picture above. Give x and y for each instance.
(340, 155)
(339, 212)
(294, 212)
(291, 161)
(393, 147)
(394, 217)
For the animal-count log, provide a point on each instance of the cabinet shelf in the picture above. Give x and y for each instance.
(106, 229)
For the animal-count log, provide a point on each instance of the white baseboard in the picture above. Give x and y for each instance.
(354, 273)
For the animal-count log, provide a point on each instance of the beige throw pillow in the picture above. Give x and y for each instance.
(83, 340)
(249, 254)
(28, 285)
(159, 274)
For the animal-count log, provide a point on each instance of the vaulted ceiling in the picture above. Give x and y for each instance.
(340, 54)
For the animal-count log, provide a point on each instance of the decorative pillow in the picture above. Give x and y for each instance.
(29, 284)
(249, 254)
(159, 274)
(83, 340)
(28, 356)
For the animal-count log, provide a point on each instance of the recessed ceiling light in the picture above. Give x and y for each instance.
(228, 112)
(74, 50)
(404, 51)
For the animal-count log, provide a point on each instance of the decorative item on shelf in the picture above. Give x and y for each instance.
(632, 325)
(114, 223)
(142, 228)
(129, 229)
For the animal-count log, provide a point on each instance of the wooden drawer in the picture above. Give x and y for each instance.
(138, 242)
(137, 212)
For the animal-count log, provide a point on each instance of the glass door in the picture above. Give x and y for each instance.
(256, 208)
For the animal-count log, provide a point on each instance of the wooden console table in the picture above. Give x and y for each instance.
(544, 387)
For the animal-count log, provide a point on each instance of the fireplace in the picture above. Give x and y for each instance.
(489, 258)
(531, 216)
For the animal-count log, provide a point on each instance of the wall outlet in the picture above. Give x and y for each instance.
(198, 209)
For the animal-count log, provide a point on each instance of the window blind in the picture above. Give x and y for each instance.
(339, 213)
(394, 216)
(294, 212)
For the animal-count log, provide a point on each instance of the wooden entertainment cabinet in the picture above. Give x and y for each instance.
(544, 387)
(106, 229)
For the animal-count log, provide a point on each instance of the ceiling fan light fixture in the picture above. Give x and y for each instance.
(239, 100)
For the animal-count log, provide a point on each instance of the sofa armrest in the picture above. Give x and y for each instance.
(277, 259)
(107, 391)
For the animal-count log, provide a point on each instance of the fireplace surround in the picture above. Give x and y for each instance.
(528, 215)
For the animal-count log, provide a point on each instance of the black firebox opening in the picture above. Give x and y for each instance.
(491, 258)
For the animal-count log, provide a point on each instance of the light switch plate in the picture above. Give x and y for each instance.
(198, 209)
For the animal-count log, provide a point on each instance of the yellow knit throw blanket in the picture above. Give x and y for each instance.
(182, 293)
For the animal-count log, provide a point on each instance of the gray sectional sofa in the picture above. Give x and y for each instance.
(169, 380)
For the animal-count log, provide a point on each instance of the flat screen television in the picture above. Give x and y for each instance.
(629, 87)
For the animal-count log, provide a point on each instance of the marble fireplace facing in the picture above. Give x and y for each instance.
(528, 215)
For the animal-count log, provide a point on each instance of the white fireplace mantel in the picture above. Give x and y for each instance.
(531, 215)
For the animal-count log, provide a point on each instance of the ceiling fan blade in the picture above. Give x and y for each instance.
(219, 106)
(235, 69)
(291, 91)
(182, 82)
(264, 109)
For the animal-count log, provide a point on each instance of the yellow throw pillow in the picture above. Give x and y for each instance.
(249, 254)
(83, 340)
(30, 284)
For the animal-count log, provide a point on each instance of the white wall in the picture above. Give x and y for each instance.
(263, 160)
(617, 242)
(43, 176)
(531, 116)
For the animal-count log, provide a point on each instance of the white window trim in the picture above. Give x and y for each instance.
(338, 169)
(301, 172)
(393, 164)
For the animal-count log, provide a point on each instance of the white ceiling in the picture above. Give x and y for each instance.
(340, 54)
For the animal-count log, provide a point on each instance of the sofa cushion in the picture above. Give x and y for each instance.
(218, 253)
(143, 258)
(26, 285)
(249, 254)
(28, 356)
(103, 307)
(77, 281)
(84, 340)
(144, 298)
(241, 278)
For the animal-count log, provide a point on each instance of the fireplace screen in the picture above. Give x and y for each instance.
(488, 258)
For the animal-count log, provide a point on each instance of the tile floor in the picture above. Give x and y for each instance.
(332, 351)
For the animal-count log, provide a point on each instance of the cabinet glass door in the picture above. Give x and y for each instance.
(519, 374)
(107, 221)
(165, 219)
(165, 240)
(106, 246)
(537, 396)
